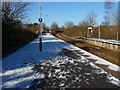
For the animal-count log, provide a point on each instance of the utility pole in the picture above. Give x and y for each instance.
(41, 27)
(117, 34)
(99, 30)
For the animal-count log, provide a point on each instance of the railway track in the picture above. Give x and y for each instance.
(109, 55)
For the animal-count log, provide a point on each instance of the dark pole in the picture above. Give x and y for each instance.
(41, 28)
(40, 44)
(41, 36)
(99, 33)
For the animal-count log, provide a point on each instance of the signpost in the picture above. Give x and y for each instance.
(41, 28)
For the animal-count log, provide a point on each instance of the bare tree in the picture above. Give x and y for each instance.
(119, 14)
(69, 24)
(112, 16)
(54, 26)
(115, 14)
(14, 10)
(83, 23)
(112, 12)
(108, 11)
(90, 20)
(115, 18)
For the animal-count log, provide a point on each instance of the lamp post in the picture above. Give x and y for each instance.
(41, 27)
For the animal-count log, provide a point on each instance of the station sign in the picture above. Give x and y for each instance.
(40, 19)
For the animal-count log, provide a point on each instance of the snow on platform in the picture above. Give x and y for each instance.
(98, 59)
(17, 68)
(105, 40)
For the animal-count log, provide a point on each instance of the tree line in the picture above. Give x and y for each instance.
(15, 33)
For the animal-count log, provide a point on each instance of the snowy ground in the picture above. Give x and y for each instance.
(73, 71)
(17, 69)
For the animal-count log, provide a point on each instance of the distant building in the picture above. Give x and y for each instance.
(90, 30)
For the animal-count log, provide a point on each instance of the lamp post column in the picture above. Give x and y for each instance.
(41, 27)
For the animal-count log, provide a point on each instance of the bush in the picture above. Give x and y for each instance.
(14, 37)
(82, 31)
